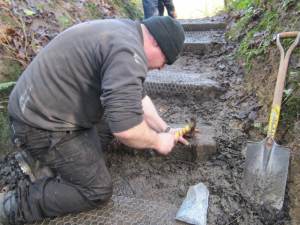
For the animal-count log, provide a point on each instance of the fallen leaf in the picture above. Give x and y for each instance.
(29, 12)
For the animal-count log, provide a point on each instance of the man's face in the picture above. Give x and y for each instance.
(156, 58)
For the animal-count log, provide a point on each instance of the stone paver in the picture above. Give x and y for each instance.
(202, 146)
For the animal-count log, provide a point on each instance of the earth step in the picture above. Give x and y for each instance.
(122, 210)
(168, 83)
(202, 25)
(200, 42)
(202, 145)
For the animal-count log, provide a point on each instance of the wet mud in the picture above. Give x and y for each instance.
(142, 174)
(164, 179)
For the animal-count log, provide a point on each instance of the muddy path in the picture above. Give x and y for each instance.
(144, 175)
(168, 180)
(231, 114)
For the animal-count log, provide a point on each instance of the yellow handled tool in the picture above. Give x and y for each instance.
(186, 129)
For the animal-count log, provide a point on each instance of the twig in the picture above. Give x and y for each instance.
(21, 23)
(11, 14)
(294, 153)
(2, 102)
(235, 219)
(25, 35)
(66, 12)
(129, 185)
(287, 98)
(243, 99)
(8, 48)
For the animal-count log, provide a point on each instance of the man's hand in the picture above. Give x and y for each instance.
(166, 142)
(180, 139)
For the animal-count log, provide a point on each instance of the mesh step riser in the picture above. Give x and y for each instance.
(202, 42)
(122, 211)
(201, 48)
(166, 84)
(203, 26)
(166, 90)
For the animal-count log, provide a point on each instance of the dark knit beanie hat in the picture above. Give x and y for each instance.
(169, 35)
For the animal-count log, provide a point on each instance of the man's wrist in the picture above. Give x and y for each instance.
(167, 129)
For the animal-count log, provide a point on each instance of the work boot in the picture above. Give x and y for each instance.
(7, 206)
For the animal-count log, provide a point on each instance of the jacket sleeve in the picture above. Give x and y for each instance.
(123, 72)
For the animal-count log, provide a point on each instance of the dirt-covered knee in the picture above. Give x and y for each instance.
(103, 193)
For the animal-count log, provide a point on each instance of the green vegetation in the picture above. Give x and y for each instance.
(64, 21)
(238, 28)
(5, 145)
(252, 47)
(288, 3)
(10, 70)
(255, 31)
(259, 22)
(5, 18)
(242, 4)
(6, 85)
(93, 11)
(129, 8)
(291, 101)
(40, 6)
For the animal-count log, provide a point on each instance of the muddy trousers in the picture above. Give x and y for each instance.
(81, 181)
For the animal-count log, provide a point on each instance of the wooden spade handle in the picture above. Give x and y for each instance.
(283, 66)
(288, 34)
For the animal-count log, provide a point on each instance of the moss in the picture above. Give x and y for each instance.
(242, 4)
(6, 85)
(7, 19)
(64, 21)
(10, 70)
(40, 6)
(63, 17)
(267, 26)
(237, 29)
(93, 11)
